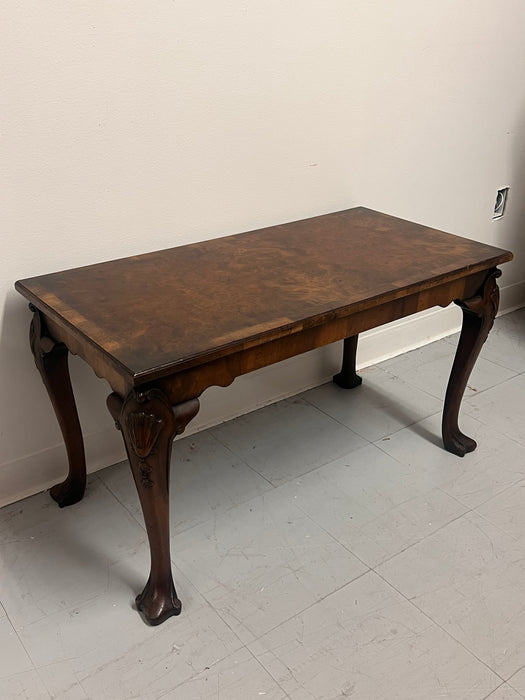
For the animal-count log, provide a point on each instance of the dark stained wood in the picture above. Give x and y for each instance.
(163, 327)
(149, 425)
(348, 377)
(51, 361)
(198, 302)
(222, 371)
(479, 313)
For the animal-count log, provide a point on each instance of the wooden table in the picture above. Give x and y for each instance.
(163, 327)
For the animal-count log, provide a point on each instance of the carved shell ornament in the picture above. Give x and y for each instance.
(144, 430)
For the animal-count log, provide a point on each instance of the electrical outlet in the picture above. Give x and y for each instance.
(501, 201)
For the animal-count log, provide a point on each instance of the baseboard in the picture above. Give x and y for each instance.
(512, 297)
(37, 472)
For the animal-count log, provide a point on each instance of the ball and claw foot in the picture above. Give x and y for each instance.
(155, 606)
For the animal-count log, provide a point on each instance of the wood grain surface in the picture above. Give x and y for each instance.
(173, 308)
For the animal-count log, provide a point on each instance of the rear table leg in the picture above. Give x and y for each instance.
(347, 377)
(148, 424)
(478, 317)
(51, 361)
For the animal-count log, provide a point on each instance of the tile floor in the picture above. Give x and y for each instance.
(324, 547)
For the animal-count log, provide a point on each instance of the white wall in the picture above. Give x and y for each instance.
(131, 126)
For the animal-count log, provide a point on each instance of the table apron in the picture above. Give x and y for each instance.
(192, 382)
(90, 353)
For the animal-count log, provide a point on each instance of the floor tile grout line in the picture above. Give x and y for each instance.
(21, 641)
(203, 522)
(501, 685)
(130, 512)
(494, 494)
(434, 622)
(480, 392)
(462, 414)
(238, 456)
(241, 645)
(235, 505)
(499, 364)
(384, 438)
(341, 544)
(267, 670)
(467, 506)
(369, 566)
(378, 442)
(488, 520)
(198, 524)
(454, 345)
(51, 694)
(319, 466)
(512, 438)
(14, 676)
(352, 430)
(198, 673)
(393, 376)
(78, 680)
(308, 607)
(413, 386)
(329, 415)
(255, 497)
(508, 681)
(465, 398)
(413, 544)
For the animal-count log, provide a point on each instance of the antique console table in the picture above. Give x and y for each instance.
(164, 326)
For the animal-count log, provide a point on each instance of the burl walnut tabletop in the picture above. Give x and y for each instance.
(164, 326)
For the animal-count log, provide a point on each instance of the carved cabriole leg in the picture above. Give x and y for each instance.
(478, 316)
(347, 377)
(51, 361)
(148, 424)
